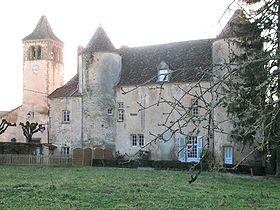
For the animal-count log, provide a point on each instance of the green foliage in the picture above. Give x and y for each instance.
(30, 128)
(253, 87)
(112, 188)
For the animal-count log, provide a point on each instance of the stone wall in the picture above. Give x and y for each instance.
(99, 73)
(65, 134)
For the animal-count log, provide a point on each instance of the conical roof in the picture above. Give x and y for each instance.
(43, 30)
(99, 42)
(233, 26)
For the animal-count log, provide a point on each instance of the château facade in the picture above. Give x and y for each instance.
(129, 99)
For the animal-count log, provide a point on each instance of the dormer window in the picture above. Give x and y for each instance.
(163, 72)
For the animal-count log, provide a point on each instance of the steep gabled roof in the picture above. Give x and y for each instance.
(43, 30)
(233, 26)
(188, 61)
(99, 42)
(69, 89)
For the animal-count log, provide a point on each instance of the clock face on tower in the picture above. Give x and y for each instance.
(35, 69)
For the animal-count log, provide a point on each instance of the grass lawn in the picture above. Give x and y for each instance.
(33, 187)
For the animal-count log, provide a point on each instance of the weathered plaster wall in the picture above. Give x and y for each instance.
(222, 52)
(65, 134)
(38, 85)
(100, 72)
(148, 121)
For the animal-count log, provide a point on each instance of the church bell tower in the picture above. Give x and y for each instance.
(43, 68)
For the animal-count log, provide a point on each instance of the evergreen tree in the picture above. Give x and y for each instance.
(254, 90)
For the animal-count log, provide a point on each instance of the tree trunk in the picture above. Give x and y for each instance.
(277, 165)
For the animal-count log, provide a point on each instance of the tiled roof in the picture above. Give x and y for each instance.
(233, 26)
(43, 30)
(188, 60)
(69, 89)
(99, 42)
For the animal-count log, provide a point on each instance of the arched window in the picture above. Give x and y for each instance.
(53, 54)
(32, 53)
(38, 52)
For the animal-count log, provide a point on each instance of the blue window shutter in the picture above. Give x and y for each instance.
(199, 147)
(182, 149)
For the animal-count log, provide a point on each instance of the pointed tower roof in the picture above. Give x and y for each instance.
(233, 26)
(99, 42)
(43, 30)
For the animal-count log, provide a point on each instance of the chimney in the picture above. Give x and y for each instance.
(79, 51)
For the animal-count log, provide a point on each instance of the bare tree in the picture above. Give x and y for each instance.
(4, 125)
(30, 128)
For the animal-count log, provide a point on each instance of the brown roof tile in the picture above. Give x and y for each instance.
(67, 90)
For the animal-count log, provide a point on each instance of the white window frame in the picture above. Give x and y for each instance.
(194, 108)
(65, 151)
(163, 75)
(110, 112)
(120, 116)
(141, 140)
(189, 148)
(137, 140)
(228, 155)
(133, 140)
(65, 116)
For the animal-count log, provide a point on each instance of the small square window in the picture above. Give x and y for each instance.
(110, 112)
(65, 116)
(120, 105)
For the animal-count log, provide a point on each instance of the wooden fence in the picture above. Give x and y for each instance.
(79, 157)
(13, 159)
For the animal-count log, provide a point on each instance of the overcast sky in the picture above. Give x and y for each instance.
(127, 22)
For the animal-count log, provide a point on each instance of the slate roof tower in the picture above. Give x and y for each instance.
(42, 66)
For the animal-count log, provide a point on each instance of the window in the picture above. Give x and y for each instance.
(134, 140)
(194, 108)
(137, 140)
(65, 116)
(228, 159)
(32, 53)
(120, 112)
(141, 140)
(65, 151)
(190, 148)
(163, 72)
(38, 52)
(110, 112)
(163, 75)
(35, 53)
(38, 151)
